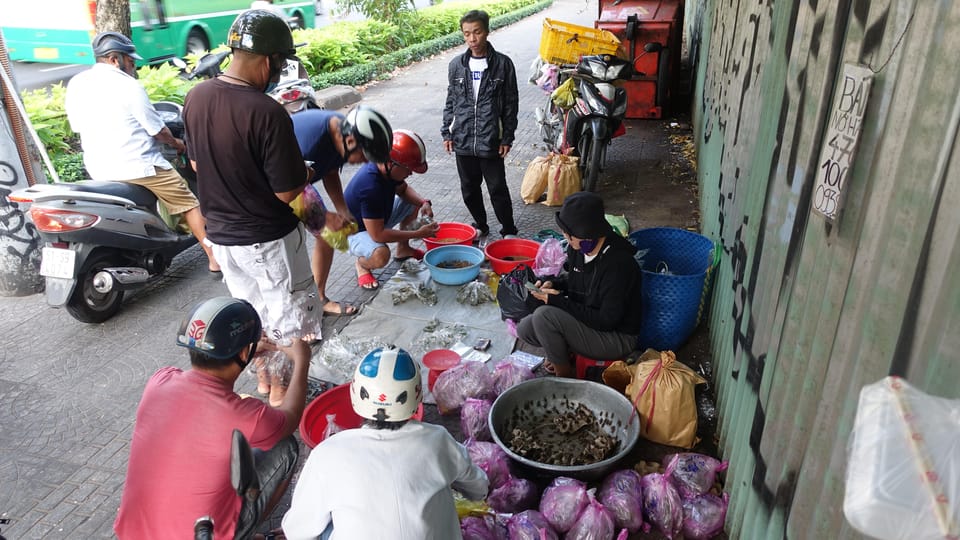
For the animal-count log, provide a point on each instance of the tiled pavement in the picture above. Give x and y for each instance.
(68, 392)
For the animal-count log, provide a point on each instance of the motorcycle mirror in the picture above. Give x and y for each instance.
(209, 65)
(178, 63)
(652, 47)
(243, 473)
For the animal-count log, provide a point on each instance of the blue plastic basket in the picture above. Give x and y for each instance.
(675, 284)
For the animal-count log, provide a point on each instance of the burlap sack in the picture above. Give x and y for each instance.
(535, 179)
(563, 178)
(662, 390)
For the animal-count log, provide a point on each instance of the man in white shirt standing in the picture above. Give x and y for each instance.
(121, 132)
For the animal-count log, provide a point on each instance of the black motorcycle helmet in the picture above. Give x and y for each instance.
(220, 328)
(372, 132)
(261, 32)
(108, 42)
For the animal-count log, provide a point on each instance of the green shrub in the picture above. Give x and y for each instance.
(69, 167)
(49, 118)
(343, 45)
(380, 67)
(164, 83)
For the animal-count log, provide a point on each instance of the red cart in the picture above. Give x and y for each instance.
(651, 34)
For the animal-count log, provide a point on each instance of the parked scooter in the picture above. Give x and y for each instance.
(596, 117)
(104, 238)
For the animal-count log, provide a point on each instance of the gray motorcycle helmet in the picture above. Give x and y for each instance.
(108, 42)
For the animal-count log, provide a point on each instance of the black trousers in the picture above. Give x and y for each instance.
(473, 171)
(560, 334)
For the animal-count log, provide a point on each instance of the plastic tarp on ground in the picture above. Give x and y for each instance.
(403, 325)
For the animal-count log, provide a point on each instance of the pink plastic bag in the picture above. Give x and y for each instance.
(530, 525)
(550, 258)
(492, 459)
(507, 374)
(661, 504)
(704, 515)
(473, 419)
(482, 528)
(622, 495)
(515, 495)
(562, 502)
(595, 523)
(465, 380)
(693, 474)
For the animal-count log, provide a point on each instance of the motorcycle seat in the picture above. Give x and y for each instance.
(140, 195)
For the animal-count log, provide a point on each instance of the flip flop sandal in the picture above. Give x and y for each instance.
(343, 309)
(368, 281)
(417, 254)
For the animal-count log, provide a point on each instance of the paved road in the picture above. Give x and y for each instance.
(31, 75)
(69, 391)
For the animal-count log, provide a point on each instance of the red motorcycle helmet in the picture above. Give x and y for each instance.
(408, 150)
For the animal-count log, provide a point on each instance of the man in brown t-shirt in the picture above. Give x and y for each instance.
(249, 168)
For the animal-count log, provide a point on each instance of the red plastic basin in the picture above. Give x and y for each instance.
(451, 233)
(334, 401)
(508, 253)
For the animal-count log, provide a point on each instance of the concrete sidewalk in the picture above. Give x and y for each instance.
(69, 392)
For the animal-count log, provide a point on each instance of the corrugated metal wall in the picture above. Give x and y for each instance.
(806, 313)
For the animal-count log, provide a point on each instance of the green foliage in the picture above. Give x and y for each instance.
(439, 18)
(49, 118)
(163, 83)
(69, 167)
(381, 10)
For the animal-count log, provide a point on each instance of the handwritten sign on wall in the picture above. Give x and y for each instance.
(841, 140)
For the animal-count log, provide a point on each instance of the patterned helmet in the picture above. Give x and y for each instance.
(220, 328)
(372, 132)
(261, 32)
(386, 386)
(408, 150)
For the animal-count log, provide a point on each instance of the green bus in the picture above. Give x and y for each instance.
(161, 29)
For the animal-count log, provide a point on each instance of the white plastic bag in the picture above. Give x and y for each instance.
(903, 466)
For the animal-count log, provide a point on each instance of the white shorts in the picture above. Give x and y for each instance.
(275, 277)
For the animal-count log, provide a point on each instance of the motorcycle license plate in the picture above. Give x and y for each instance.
(57, 263)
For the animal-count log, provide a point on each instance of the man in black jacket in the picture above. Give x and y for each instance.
(479, 121)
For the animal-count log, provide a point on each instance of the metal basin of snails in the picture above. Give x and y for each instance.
(564, 427)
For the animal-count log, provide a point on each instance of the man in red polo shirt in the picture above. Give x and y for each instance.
(179, 468)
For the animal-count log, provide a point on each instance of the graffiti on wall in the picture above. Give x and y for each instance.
(738, 100)
(18, 235)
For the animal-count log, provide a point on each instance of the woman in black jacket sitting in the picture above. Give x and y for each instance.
(593, 308)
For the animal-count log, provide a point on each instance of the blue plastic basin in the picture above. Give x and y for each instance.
(453, 276)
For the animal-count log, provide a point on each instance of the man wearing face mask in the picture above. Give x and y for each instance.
(249, 167)
(592, 309)
(121, 133)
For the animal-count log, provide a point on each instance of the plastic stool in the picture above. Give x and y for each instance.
(588, 368)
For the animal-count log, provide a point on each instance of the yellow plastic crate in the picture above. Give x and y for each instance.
(564, 43)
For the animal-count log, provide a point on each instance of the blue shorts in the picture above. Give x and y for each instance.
(361, 245)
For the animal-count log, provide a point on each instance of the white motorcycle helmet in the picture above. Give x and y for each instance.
(386, 386)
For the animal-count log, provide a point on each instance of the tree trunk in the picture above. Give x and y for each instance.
(113, 16)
